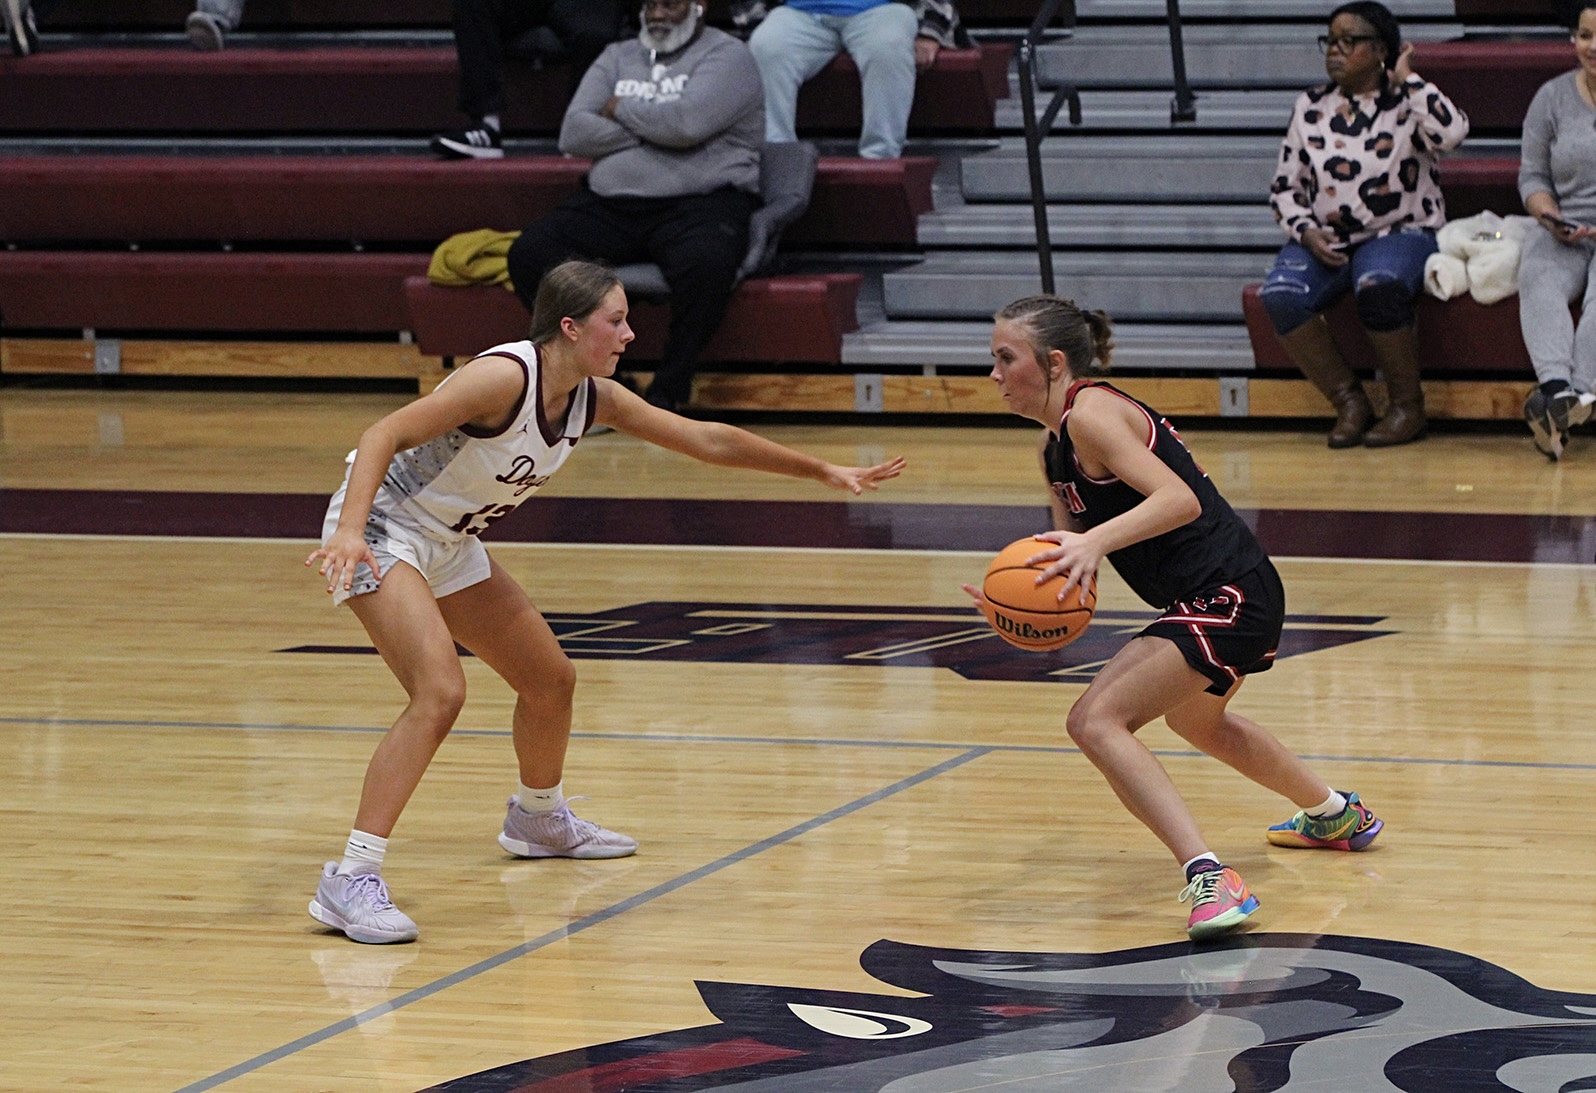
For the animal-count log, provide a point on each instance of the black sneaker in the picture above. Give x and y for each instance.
(1548, 418)
(21, 29)
(478, 143)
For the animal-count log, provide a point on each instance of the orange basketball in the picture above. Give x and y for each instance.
(1027, 614)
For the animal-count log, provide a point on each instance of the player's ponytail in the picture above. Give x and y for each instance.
(570, 290)
(1101, 328)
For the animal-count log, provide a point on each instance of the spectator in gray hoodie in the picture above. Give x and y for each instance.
(673, 121)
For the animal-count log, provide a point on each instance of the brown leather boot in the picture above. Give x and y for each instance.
(1315, 352)
(1353, 416)
(1404, 421)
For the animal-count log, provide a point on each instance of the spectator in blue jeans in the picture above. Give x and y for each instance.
(891, 41)
(1359, 196)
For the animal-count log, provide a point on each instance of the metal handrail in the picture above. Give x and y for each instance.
(1183, 108)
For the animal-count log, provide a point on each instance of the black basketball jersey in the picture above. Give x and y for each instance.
(1212, 550)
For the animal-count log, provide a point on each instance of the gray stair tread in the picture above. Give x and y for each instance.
(1251, 9)
(1266, 110)
(1131, 286)
(1239, 55)
(966, 264)
(964, 345)
(1193, 166)
(1110, 225)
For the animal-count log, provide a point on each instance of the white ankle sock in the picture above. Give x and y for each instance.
(541, 800)
(363, 853)
(1334, 805)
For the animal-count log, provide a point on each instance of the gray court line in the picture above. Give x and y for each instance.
(588, 921)
(841, 742)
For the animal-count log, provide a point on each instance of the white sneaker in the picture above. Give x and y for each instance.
(558, 834)
(206, 32)
(358, 904)
(1581, 411)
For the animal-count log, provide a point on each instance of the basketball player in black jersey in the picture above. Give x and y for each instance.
(1125, 488)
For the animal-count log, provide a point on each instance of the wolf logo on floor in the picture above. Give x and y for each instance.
(1261, 1013)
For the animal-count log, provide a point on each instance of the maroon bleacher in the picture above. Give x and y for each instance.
(1493, 81)
(1456, 336)
(372, 198)
(258, 14)
(384, 89)
(1475, 184)
(1538, 10)
(800, 317)
(187, 291)
(291, 15)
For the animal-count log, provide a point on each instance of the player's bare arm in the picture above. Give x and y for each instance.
(728, 446)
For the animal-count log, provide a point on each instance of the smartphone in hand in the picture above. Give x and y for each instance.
(1557, 221)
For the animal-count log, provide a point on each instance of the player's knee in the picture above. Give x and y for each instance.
(1087, 728)
(552, 683)
(437, 705)
(561, 679)
(1384, 305)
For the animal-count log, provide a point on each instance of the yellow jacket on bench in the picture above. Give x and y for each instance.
(473, 258)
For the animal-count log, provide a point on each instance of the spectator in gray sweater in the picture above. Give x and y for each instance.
(673, 120)
(1557, 180)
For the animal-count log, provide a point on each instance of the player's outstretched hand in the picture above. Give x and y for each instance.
(858, 479)
(339, 557)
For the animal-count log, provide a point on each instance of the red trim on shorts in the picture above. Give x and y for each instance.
(1198, 626)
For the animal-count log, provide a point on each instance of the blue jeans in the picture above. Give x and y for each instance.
(790, 46)
(1386, 274)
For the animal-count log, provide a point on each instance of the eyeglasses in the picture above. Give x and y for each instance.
(1346, 43)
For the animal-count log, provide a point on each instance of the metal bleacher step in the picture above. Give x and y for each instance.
(1236, 55)
(963, 346)
(1162, 168)
(1263, 110)
(1131, 286)
(301, 39)
(1217, 227)
(1313, 10)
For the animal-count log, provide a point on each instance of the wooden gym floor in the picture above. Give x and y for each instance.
(870, 858)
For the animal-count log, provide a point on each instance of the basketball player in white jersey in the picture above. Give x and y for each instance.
(400, 547)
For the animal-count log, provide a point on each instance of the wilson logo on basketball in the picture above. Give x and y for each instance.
(1025, 631)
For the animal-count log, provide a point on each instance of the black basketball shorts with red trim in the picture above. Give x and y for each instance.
(1230, 631)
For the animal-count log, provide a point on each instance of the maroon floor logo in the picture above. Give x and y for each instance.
(957, 638)
(1259, 1013)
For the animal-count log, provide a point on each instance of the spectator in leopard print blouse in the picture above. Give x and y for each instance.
(1359, 195)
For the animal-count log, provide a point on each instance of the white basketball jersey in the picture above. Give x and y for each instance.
(467, 478)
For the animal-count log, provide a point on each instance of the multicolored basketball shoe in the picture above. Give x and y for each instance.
(1353, 829)
(1220, 902)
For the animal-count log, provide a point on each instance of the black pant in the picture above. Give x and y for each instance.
(483, 29)
(698, 241)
